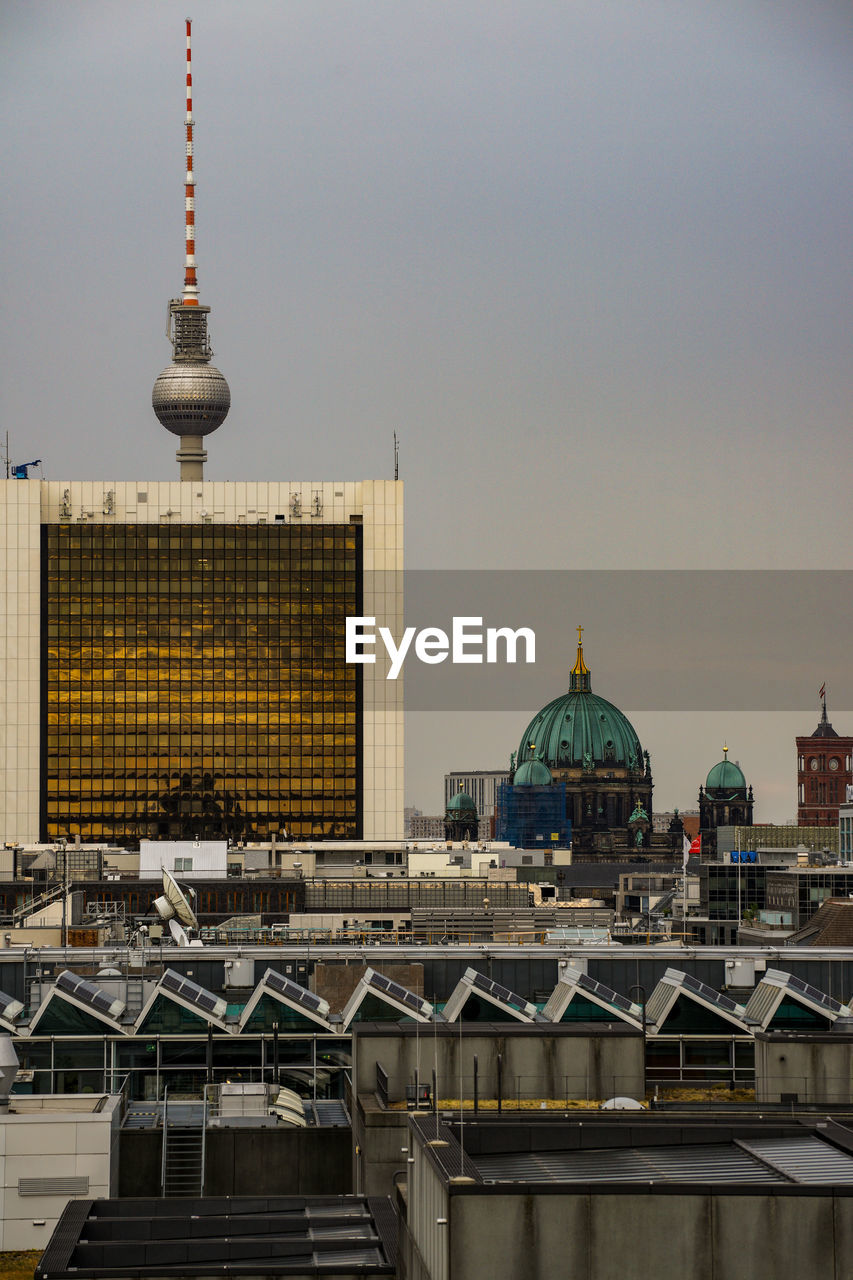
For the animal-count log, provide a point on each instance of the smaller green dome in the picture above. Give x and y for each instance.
(725, 776)
(532, 773)
(460, 803)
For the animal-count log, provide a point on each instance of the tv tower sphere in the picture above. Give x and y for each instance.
(191, 399)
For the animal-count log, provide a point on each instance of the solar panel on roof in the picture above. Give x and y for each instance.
(293, 991)
(9, 1006)
(586, 983)
(192, 993)
(708, 993)
(819, 997)
(408, 998)
(87, 993)
(503, 994)
(394, 989)
(171, 980)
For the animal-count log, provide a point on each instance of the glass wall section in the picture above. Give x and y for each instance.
(732, 890)
(194, 682)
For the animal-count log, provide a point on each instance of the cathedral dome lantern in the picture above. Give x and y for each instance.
(585, 744)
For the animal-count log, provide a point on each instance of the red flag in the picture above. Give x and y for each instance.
(822, 690)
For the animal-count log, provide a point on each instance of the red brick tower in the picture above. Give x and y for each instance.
(823, 773)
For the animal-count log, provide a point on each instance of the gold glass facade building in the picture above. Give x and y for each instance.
(194, 683)
(173, 664)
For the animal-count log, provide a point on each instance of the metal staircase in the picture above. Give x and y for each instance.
(184, 1130)
(32, 905)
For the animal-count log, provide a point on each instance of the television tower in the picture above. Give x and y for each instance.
(191, 397)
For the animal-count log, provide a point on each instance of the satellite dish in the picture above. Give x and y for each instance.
(179, 933)
(174, 908)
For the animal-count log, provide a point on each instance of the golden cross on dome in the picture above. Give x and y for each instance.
(725, 751)
(580, 668)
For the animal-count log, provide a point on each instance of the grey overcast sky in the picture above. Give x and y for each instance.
(590, 259)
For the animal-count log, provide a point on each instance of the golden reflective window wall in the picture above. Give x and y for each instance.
(194, 684)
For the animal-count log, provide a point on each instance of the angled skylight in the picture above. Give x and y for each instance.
(390, 993)
(777, 991)
(575, 983)
(87, 998)
(291, 997)
(682, 989)
(472, 983)
(189, 996)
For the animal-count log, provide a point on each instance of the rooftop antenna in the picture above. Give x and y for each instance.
(191, 398)
(396, 457)
(190, 283)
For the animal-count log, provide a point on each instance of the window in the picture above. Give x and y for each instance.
(183, 864)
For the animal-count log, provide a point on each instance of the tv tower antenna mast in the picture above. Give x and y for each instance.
(191, 397)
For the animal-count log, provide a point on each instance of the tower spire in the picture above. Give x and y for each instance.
(190, 281)
(191, 398)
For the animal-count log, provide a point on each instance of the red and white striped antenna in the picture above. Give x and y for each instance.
(190, 281)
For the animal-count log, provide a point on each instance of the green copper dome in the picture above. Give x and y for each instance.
(460, 803)
(580, 728)
(725, 776)
(532, 773)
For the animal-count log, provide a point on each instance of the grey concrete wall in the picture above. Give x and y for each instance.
(248, 1162)
(679, 1236)
(377, 1150)
(541, 1064)
(139, 1163)
(278, 1162)
(817, 1070)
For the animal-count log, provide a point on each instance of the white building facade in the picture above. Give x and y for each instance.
(480, 784)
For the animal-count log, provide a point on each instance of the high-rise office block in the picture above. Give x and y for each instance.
(172, 660)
